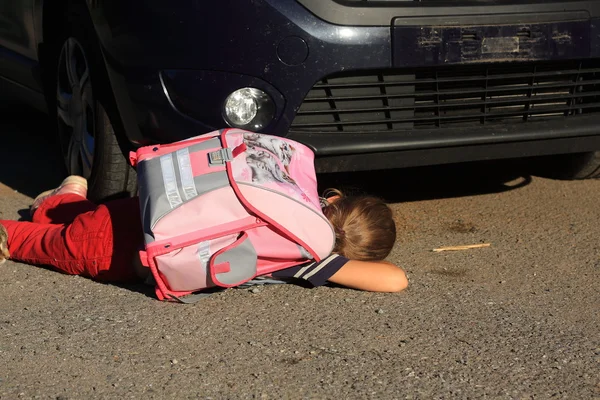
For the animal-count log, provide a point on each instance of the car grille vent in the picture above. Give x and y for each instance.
(459, 96)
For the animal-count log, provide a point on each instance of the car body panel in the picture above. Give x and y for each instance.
(172, 66)
(18, 47)
(17, 32)
(437, 13)
(19, 42)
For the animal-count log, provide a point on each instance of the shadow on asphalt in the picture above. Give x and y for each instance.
(29, 151)
(32, 163)
(434, 182)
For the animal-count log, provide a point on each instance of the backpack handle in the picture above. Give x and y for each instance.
(239, 149)
(221, 156)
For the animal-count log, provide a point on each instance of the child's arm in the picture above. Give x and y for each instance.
(373, 276)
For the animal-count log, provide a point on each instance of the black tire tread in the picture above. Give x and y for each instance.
(591, 168)
(576, 166)
(117, 177)
(112, 177)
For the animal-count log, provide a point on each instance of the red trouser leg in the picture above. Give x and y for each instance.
(62, 209)
(99, 244)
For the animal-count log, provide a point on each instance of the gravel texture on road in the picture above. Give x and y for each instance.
(519, 319)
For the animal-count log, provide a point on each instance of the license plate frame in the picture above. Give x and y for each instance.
(438, 45)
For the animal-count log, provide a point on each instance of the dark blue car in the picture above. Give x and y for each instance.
(368, 84)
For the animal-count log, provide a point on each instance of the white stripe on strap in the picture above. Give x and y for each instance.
(303, 270)
(187, 176)
(204, 252)
(321, 265)
(170, 180)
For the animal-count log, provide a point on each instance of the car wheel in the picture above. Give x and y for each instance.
(570, 166)
(86, 121)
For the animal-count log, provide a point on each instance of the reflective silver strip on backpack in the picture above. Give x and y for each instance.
(185, 172)
(170, 180)
(178, 185)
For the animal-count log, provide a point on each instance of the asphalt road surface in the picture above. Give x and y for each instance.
(517, 320)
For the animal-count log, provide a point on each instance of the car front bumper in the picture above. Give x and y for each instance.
(171, 69)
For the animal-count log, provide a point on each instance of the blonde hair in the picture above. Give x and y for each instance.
(364, 226)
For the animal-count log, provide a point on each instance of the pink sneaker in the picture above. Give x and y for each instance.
(72, 184)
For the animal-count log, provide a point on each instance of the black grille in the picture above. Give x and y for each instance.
(459, 96)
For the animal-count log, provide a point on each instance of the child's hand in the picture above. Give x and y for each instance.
(4, 253)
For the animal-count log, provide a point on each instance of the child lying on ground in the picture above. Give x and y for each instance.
(77, 237)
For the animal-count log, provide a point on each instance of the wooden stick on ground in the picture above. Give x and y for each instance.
(463, 247)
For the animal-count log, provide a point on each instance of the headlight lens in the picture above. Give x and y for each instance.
(249, 108)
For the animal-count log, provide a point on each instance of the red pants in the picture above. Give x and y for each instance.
(77, 237)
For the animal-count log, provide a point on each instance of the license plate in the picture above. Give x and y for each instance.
(435, 45)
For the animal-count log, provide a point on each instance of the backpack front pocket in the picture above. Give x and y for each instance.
(186, 268)
(234, 264)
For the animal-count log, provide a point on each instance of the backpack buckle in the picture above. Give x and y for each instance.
(220, 156)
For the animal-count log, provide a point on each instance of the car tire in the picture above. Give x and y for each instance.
(570, 166)
(90, 131)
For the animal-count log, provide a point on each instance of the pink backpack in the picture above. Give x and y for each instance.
(222, 208)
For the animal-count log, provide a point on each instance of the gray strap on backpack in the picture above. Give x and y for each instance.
(195, 297)
(261, 281)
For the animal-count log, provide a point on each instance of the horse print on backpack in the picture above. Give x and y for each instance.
(265, 168)
(264, 165)
(283, 150)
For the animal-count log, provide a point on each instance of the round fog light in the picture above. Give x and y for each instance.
(249, 108)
